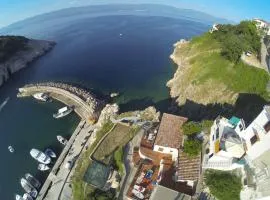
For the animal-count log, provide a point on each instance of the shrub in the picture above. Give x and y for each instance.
(223, 185)
(206, 125)
(191, 128)
(192, 147)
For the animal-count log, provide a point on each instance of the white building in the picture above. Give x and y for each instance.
(234, 146)
(214, 28)
(263, 25)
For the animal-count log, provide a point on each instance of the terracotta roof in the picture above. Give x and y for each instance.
(169, 133)
(188, 168)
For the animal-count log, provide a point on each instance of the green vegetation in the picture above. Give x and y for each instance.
(9, 45)
(119, 160)
(210, 77)
(191, 128)
(236, 39)
(192, 147)
(118, 137)
(223, 185)
(80, 190)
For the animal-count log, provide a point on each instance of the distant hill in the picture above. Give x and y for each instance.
(117, 9)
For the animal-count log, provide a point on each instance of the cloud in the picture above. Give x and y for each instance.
(73, 2)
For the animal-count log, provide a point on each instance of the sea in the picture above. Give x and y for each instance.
(128, 54)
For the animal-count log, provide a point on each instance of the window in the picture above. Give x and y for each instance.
(213, 138)
(241, 127)
(253, 139)
(217, 134)
(267, 126)
(160, 149)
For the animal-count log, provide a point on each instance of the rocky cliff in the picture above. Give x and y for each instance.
(17, 58)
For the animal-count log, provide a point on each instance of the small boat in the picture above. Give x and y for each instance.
(41, 96)
(18, 197)
(43, 167)
(32, 180)
(62, 112)
(29, 188)
(27, 196)
(11, 149)
(50, 153)
(61, 139)
(40, 156)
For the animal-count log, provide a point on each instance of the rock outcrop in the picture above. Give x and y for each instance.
(21, 59)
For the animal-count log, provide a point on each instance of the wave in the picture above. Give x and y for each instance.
(4, 103)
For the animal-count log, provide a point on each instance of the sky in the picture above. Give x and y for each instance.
(235, 10)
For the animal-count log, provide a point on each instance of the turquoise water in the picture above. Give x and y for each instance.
(90, 52)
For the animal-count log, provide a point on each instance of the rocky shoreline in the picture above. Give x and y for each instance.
(33, 50)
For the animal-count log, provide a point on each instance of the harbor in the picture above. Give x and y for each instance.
(88, 107)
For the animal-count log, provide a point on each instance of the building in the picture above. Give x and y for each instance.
(235, 146)
(262, 25)
(226, 147)
(161, 193)
(214, 28)
(169, 137)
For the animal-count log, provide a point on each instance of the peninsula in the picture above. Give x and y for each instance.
(16, 52)
(219, 65)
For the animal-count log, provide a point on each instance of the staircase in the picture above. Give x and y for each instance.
(217, 164)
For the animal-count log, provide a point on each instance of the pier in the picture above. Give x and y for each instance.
(86, 104)
(88, 107)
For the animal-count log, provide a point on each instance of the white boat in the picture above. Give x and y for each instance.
(43, 167)
(32, 180)
(41, 96)
(18, 197)
(50, 153)
(11, 149)
(29, 188)
(27, 196)
(4, 103)
(61, 139)
(40, 156)
(62, 112)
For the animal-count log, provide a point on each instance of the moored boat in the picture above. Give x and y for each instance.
(11, 149)
(40, 156)
(27, 196)
(62, 112)
(43, 167)
(61, 139)
(29, 188)
(50, 153)
(32, 180)
(41, 96)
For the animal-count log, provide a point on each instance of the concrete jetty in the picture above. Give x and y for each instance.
(86, 104)
(89, 108)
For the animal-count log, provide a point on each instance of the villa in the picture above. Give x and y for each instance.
(235, 146)
(262, 25)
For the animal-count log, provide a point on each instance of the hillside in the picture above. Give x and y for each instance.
(210, 69)
(16, 52)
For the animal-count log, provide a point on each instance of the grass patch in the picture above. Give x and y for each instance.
(208, 64)
(119, 160)
(118, 137)
(80, 190)
(223, 185)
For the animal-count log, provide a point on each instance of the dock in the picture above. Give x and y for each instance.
(88, 107)
(86, 104)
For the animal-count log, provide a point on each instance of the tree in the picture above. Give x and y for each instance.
(192, 147)
(191, 128)
(223, 185)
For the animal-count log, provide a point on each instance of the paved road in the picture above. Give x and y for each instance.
(130, 168)
(58, 189)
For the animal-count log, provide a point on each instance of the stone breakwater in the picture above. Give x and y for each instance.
(33, 50)
(86, 103)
